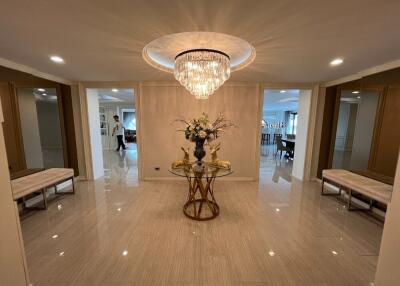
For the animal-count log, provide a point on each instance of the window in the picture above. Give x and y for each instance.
(292, 125)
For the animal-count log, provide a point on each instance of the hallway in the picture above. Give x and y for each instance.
(121, 167)
(116, 231)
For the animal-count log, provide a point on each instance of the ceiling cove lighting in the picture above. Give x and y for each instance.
(57, 59)
(202, 71)
(336, 62)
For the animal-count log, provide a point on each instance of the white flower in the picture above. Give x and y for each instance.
(202, 134)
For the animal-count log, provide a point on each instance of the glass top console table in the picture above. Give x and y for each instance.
(201, 204)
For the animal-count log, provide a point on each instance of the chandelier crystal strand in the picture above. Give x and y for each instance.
(202, 72)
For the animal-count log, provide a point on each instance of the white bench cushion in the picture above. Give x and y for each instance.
(35, 182)
(373, 189)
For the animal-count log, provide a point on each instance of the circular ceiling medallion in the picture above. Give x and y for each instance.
(161, 52)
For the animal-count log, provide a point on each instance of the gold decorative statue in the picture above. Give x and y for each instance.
(185, 162)
(215, 162)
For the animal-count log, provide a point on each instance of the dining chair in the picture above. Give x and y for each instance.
(280, 147)
(276, 135)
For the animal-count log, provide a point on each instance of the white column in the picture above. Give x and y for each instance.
(95, 135)
(302, 134)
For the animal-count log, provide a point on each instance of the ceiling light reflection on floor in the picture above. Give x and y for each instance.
(271, 253)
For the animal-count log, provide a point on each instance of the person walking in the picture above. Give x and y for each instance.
(119, 131)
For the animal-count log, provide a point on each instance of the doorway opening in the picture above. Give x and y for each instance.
(284, 127)
(112, 121)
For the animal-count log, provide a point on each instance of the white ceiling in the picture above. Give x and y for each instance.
(294, 39)
(121, 95)
(275, 100)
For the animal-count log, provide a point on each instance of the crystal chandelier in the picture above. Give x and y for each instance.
(202, 71)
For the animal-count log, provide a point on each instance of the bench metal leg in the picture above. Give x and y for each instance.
(351, 207)
(73, 185)
(322, 188)
(44, 199)
(349, 202)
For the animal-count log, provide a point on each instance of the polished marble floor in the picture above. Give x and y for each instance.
(278, 231)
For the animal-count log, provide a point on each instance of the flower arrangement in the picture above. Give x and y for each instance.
(202, 129)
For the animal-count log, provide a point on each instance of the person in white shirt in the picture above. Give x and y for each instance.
(119, 131)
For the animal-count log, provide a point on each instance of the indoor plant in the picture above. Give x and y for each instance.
(201, 130)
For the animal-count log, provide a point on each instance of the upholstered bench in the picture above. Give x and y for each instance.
(40, 181)
(352, 182)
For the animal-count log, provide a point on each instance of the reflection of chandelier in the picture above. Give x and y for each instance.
(202, 71)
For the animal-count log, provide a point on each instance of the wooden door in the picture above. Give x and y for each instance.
(386, 143)
(11, 128)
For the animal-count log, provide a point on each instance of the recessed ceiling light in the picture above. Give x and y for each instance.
(271, 253)
(57, 59)
(277, 210)
(356, 92)
(119, 209)
(114, 90)
(62, 253)
(55, 236)
(336, 62)
(282, 91)
(125, 253)
(334, 252)
(41, 89)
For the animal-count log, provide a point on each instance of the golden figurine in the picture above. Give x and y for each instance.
(215, 162)
(185, 162)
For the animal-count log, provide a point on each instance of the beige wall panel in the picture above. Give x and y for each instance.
(161, 104)
(387, 273)
(13, 269)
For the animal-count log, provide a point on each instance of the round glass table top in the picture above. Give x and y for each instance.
(206, 171)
